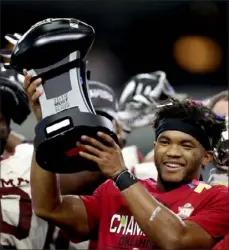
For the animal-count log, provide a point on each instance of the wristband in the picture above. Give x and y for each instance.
(124, 180)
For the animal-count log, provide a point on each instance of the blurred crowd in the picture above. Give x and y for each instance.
(175, 196)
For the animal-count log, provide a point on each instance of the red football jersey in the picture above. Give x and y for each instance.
(199, 202)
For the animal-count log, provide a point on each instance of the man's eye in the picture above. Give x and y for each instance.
(187, 146)
(164, 142)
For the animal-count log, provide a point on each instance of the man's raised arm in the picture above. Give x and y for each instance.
(67, 212)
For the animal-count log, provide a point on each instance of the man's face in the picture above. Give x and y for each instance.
(178, 157)
(221, 108)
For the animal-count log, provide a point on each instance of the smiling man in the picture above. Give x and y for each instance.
(176, 212)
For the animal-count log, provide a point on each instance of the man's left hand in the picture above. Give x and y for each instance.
(108, 157)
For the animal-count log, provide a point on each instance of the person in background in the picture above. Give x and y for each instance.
(16, 217)
(105, 103)
(176, 212)
(14, 106)
(20, 228)
(14, 138)
(218, 171)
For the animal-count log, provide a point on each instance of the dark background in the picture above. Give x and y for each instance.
(133, 37)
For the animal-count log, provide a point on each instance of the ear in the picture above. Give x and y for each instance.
(154, 144)
(208, 157)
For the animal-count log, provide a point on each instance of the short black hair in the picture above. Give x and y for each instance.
(212, 124)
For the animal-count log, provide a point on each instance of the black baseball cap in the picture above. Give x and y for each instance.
(103, 99)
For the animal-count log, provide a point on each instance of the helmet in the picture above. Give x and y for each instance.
(14, 103)
(103, 99)
(221, 153)
(141, 96)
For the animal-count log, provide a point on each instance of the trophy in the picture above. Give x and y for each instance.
(55, 50)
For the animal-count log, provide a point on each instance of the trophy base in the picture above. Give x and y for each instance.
(56, 149)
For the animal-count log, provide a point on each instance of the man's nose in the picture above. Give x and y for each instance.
(173, 151)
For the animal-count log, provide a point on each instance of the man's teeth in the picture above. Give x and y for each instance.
(173, 165)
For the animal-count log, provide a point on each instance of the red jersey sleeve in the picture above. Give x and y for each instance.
(92, 204)
(213, 217)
